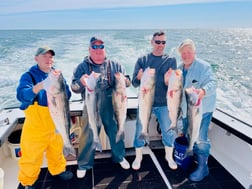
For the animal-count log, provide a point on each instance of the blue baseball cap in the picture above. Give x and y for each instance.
(95, 39)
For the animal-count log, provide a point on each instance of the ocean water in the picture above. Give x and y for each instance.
(229, 51)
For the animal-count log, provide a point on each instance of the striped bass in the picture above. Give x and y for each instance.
(174, 95)
(92, 103)
(145, 99)
(58, 105)
(194, 115)
(119, 101)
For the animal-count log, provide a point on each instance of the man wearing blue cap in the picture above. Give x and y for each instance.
(97, 62)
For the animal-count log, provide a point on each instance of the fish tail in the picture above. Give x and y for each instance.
(172, 128)
(189, 152)
(144, 137)
(69, 151)
(98, 146)
(120, 136)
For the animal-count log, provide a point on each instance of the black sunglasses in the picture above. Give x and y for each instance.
(159, 42)
(97, 46)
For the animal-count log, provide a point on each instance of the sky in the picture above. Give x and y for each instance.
(124, 14)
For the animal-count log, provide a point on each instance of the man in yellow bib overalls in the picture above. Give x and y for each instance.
(38, 133)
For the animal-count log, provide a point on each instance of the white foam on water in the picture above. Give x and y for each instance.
(229, 51)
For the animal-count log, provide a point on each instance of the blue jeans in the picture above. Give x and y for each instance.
(168, 135)
(202, 145)
(86, 146)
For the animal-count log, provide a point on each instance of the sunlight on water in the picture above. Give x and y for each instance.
(229, 51)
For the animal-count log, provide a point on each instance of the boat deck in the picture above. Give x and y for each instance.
(231, 133)
(154, 174)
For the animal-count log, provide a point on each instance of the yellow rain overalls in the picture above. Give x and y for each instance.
(39, 136)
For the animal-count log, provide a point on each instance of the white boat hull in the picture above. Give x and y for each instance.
(234, 154)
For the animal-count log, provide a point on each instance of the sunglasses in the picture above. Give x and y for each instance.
(159, 42)
(97, 46)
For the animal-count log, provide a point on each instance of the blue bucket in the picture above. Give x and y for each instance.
(180, 146)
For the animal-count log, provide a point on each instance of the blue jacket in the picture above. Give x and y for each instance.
(161, 65)
(200, 75)
(24, 90)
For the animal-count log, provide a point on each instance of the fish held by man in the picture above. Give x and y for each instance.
(145, 100)
(58, 105)
(119, 101)
(194, 114)
(92, 104)
(174, 95)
